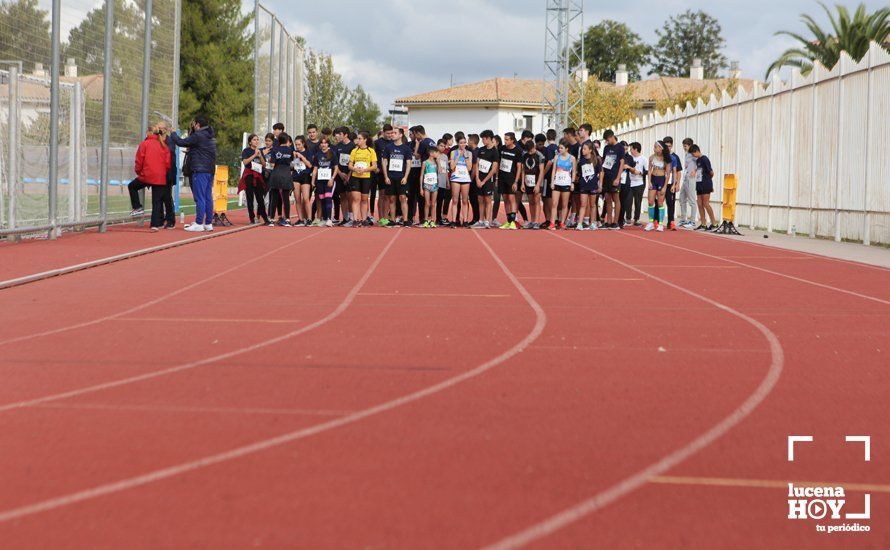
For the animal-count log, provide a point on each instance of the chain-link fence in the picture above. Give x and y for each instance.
(97, 139)
(278, 75)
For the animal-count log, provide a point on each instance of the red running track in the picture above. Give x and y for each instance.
(407, 388)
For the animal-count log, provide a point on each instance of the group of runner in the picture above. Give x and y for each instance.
(338, 177)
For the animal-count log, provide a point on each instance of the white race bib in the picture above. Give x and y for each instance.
(361, 166)
(587, 170)
(324, 174)
(298, 165)
(623, 178)
(506, 165)
(344, 159)
(484, 166)
(658, 164)
(462, 172)
(431, 178)
(563, 178)
(256, 166)
(396, 165)
(610, 162)
(698, 176)
(270, 165)
(415, 163)
(531, 180)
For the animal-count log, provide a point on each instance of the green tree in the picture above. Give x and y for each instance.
(690, 35)
(606, 105)
(364, 113)
(216, 70)
(610, 43)
(850, 34)
(24, 33)
(328, 99)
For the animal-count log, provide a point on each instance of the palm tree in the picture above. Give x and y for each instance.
(850, 34)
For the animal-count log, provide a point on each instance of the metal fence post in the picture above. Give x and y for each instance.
(256, 66)
(72, 128)
(106, 117)
(301, 122)
(76, 142)
(866, 221)
(13, 167)
(839, 159)
(271, 77)
(287, 87)
(146, 81)
(177, 30)
(282, 51)
(54, 117)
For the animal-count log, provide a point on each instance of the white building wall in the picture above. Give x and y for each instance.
(809, 154)
(471, 120)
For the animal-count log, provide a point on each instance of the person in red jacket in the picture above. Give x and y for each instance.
(152, 163)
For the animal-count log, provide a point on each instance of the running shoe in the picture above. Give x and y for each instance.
(673, 226)
(137, 212)
(270, 223)
(478, 225)
(383, 222)
(557, 225)
(169, 225)
(154, 229)
(579, 227)
(649, 227)
(281, 223)
(208, 227)
(195, 227)
(512, 225)
(505, 225)
(432, 225)
(592, 227)
(317, 223)
(545, 225)
(701, 228)
(713, 228)
(328, 223)
(660, 228)
(348, 224)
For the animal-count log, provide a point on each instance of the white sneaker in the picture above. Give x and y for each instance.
(194, 227)
(592, 227)
(328, 223)
(580, 227)
(649, 227)
(660, 228)
(208, 227)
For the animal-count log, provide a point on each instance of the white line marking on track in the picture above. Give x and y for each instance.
(765, 483)
(181, 409)
(156, 300)
(158, 475)
(635, 481)
(173, 319)
(771, 272)
(435, 294)
(582, 278)
(34, 277)
(221, 357)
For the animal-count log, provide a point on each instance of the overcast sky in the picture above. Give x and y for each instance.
(401, 47)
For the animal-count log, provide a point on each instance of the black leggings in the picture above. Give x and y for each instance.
(443, 203)
(520, 207)
(256, 193)
(415, 197)
(279, 201)
(670, 198)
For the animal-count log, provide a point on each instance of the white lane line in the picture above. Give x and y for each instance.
(435, 294)
(635, 481)
(159, 299)
(158, 475)
(182, 409)
(111, 259)
(582, 278)
(764, 270)
(174, 319)
(221, 357)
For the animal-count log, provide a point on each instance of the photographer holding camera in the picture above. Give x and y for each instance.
(152, 164)
(201, 143)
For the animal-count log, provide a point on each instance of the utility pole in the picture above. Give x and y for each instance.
(563, 98)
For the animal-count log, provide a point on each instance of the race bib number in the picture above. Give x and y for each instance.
(344, 159)
(324, 173)
(698, 176)
(563, 179)
(431, 178)
(587, 171)
(415, 163)
(658, 164)
(506, 165)
(623, 178)
(531, 181)
(298, 166)
(361, 166)
(270, 165)
(396, 165)
(256, 166)
(484, 166)
(462, 171)
(610, 162)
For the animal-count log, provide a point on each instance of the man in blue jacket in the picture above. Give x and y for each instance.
(201, 143)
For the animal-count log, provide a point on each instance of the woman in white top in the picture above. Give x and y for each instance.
(461, 163)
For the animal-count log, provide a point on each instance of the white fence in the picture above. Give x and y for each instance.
(811, 155)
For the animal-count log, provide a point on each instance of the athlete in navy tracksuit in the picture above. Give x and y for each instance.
(201, 143)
